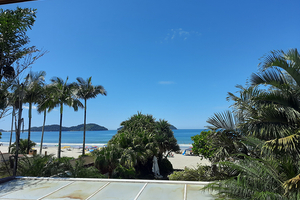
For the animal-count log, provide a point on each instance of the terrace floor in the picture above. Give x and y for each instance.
(95, 189)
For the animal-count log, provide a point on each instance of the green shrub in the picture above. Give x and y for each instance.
(201, 173)
(177, 175)
(123, 172)
(78, 170)
(87, 154)
(202, 145)
(23, 146)
(165, 167)
(138, 141)
(41, 165)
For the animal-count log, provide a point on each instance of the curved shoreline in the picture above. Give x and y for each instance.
(179, 161)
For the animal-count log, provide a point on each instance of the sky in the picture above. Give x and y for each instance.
(173, 59)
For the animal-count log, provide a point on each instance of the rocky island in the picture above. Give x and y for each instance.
(55, 127)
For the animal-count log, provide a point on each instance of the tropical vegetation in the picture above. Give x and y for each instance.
(44, 101)
(85, 91)
(130, 152)
(24, 146)
(201, 145)
(255, 146)
(48, 165)
(15, 57)
(33, 91)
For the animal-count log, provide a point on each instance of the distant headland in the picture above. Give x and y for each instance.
(55, 127)
(173, 127)
(89, 127)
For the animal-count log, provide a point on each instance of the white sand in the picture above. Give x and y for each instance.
(178, 161)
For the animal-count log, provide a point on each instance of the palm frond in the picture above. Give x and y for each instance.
(256, 178)
(292, 185)
(271, 77)
(285, 144)
(288, 61)
(223, 120)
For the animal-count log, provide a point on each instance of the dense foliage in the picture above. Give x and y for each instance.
(258, 141)
(15, 56)
(48, 165)
(202, 146)
(13, 38)
(134, 146)
(23, 146)
(201, 173)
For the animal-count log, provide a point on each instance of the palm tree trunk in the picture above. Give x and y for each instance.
(17, 141)
(12, 127)
(84, 128)
(60, 126)
(29, 126)
(42, 138)
(18, 133)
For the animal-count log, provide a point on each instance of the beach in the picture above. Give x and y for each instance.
(178, 161)
(101, 138)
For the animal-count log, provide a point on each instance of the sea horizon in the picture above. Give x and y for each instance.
(93, 138)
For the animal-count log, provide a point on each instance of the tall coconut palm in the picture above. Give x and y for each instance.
(45, 103)
(33, 90)
(85, 91)
(16, 101)
(12, 101)
(63, 94)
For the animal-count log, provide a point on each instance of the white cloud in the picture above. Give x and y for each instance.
(180, 34)
(27, 107)
(166, 82)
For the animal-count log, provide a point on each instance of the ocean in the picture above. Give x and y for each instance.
(93, 138)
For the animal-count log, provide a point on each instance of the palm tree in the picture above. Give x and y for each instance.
(33, 89)
(85, 90)
(226, 138)
(12, 101)
(137, 138)
(45, 102)
(279, 113)
(9, 91)
(23, 146)
(63, 94)
(258, 179)
(107, 159)
(272, 114)
(165, 138)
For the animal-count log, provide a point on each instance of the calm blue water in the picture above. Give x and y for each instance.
(75, 138)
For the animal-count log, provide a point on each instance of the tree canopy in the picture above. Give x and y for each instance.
(13, 38)
(137, 142)
(257, 144)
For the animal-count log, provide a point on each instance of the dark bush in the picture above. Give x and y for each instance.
(165, 167)
(123, 172)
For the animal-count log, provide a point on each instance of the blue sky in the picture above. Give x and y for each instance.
(173, 59)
